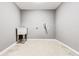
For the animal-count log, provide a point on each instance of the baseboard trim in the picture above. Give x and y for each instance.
(40, 39)
(6, 49)
(2, 52)
(69, 47)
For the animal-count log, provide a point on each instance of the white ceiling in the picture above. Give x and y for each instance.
(38, 5)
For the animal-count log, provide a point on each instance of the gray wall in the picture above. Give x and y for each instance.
(67, 24)
(36, 18)
(9, 20)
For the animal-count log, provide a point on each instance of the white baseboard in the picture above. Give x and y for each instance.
(73, 50)
(2, 52)
(40, 39)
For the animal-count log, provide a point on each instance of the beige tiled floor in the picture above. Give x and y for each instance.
(39, 47)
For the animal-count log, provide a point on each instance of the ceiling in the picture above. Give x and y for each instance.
(37, 5)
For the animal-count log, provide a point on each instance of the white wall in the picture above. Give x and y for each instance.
(36, 18)
(9, 20)
(67, 24)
